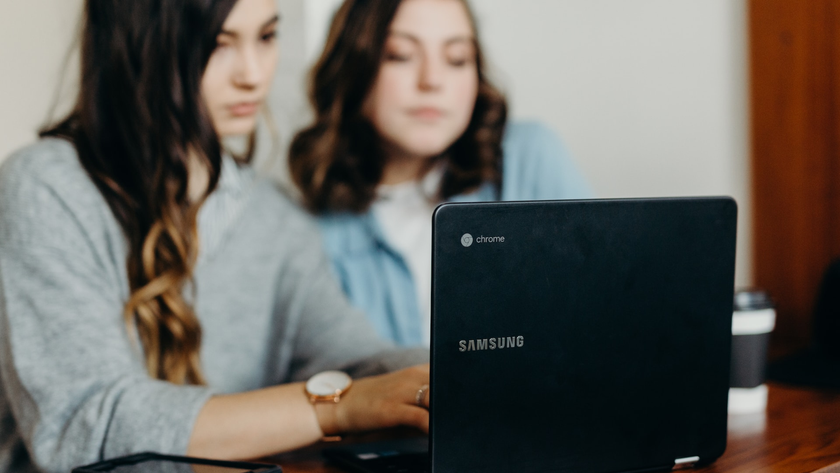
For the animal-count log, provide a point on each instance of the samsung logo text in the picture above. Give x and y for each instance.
(491, 344)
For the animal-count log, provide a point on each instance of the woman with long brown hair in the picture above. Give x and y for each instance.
(154, 293)
(406, 118)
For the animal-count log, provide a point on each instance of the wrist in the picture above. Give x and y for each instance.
(325, 413)
(325, 391)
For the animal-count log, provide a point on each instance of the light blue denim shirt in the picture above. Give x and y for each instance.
(375, 276)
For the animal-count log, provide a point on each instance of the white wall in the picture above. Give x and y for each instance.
(650, 95)
(35, 38)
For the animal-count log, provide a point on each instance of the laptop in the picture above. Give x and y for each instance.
(574, 336)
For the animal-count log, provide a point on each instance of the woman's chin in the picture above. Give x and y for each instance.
(236, 127)
(427, 148)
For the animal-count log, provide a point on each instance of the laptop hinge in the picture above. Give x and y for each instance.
(683, 463)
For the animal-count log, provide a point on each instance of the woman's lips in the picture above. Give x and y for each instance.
(244, 109)
(426, 113)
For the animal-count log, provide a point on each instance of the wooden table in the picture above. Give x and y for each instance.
(799, 433)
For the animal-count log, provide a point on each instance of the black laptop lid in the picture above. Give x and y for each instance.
(585, 336)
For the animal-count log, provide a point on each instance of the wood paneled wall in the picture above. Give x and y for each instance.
(795, 113)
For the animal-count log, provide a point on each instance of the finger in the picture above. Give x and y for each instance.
(427, 398)
(419, 394)
(414, 416)
(425, 368)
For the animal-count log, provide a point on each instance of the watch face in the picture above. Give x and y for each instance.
(328, 383)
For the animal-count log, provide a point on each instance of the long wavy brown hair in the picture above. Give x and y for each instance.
(138, 121)
(338, 161)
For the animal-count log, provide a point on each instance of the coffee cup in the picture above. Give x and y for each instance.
(753, 320)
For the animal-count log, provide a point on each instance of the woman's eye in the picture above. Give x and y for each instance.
(397, 57)
(460, 55)
(271, 36)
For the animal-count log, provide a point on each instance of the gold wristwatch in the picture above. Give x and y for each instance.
(328, 386)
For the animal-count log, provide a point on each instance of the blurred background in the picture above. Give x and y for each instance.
(653, 98)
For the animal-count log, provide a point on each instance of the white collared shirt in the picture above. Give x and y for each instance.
(405, 213)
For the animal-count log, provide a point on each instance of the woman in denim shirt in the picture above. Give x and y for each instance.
(406, 119)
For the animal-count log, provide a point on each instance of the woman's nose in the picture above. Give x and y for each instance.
(431, 74)
(249, 73)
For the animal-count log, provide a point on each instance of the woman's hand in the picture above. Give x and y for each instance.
(379, 402)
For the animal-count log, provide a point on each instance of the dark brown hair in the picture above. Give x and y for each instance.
(138, 120)
(337, 162)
